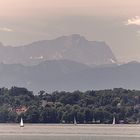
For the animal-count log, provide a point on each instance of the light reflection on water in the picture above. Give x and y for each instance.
(25, 137)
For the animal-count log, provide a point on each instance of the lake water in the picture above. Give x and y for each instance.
(16, 137)
(69, 132)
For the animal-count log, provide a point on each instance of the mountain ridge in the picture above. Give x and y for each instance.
(69, 75)
(73, 47)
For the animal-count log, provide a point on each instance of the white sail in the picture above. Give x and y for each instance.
(75, 121)
(114, 121)
(21, 123)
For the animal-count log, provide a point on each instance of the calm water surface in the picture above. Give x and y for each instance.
(69, 132)
(66, 138)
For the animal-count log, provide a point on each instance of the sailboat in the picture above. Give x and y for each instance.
(21, 123)
(114, 121)
(75, 121)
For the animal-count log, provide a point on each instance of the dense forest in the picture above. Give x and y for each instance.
(62, 107)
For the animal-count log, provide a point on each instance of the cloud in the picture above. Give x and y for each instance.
(133, 21)
(5, 29)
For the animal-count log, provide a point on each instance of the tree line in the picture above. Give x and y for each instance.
(93, 106)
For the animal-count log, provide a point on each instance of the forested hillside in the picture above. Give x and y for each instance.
(62, 107)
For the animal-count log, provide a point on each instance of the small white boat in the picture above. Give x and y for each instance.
(114, 121)
(21, 123)
(75, 123)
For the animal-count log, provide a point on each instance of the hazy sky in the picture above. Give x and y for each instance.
(115, 21)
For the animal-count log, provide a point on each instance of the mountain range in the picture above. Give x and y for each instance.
(65, 63)
(69, 75)
(73, 47)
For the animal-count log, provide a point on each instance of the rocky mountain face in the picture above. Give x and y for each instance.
(73, 47)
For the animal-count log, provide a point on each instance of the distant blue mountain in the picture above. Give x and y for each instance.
(69, 75)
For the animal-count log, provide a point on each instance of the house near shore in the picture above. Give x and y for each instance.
(47, 104)
(21, 109)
